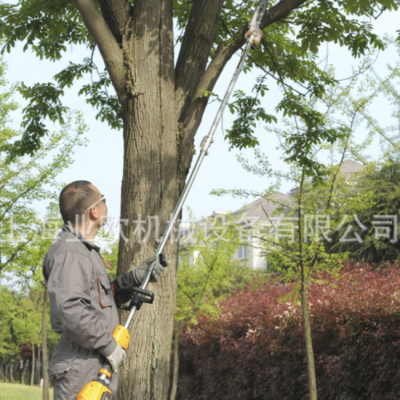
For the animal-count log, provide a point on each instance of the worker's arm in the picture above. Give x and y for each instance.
(69, 285)
(136, 275)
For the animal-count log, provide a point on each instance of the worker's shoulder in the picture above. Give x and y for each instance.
(67, 242)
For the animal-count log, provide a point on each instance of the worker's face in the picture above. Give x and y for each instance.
(99, 212)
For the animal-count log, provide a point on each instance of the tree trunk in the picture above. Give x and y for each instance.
(150, 189)
(39, 366)
(175, 373)
(46, 395)
(312, 382)
(11, 372)
(22, 372)
(33, 365)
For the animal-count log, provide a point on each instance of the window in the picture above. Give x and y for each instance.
(242, 252)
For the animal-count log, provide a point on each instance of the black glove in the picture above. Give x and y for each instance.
(123, 284)
(140, 271)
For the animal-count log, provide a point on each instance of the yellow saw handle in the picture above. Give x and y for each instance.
(98, 389)
(95, 390)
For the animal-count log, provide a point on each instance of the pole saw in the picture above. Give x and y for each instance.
(99, 388)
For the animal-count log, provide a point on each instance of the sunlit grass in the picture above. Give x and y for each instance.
(15, 391)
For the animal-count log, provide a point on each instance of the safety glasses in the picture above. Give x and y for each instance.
(97, 202)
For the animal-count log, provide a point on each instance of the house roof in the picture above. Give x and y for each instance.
(263, 208)
(258, 209)
(350, 166)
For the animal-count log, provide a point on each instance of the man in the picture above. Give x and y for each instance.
(82, 306)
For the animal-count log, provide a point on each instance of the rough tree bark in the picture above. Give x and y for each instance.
(174, 387)
(162, 108)
(45, 363)
(33, 366)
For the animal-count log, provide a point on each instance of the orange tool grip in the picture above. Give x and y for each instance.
(121, 336)
(106, 372)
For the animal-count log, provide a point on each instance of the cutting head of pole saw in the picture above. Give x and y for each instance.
(253, 35)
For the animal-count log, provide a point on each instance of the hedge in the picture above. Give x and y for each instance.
(255, 348)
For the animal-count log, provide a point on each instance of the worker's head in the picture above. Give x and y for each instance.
(82, 203)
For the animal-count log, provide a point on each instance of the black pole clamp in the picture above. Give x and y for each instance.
(136, 295)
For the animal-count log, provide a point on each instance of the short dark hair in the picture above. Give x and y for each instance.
(75, 198)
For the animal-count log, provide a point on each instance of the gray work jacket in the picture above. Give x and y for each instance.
(82, 305)
(81, 299)
(82, 309)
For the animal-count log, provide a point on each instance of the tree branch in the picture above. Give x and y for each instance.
(13, 255)
(11, 202)
(197, 42)
(274, 77)
(193, 114)
(186, 294)
(280, 11)
(116, 14)
(108, 46)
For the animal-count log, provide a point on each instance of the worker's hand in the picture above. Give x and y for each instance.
(157, 270)
(117, 358)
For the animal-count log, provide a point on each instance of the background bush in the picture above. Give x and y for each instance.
(254, 349)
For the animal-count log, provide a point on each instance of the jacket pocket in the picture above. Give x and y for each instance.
(58, 370)
(66, 378)
(106, 297)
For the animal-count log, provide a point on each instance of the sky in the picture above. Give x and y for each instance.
(101, 161)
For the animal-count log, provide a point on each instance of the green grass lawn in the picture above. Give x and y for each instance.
(15, 391)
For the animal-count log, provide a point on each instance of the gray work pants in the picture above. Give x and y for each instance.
(72, 367)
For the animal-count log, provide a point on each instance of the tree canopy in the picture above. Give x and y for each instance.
(294, 32)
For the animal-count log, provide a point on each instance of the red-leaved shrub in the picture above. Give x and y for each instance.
(255, 349)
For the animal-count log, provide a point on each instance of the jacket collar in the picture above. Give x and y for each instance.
(69, 228)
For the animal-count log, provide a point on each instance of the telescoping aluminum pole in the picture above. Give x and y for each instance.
(253, 37)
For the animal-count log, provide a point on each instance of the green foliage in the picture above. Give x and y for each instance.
(24, 236)
(108, 106)
(305, 247)
(287, 55)
(27, 180)
(249, 111)
(208, 269)
(312, 130)
(21, 321)
(23, 311)
(110, 256)
(8, 313)
(374, 199)
(323, 22)
(45, 26)
(45, 104)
